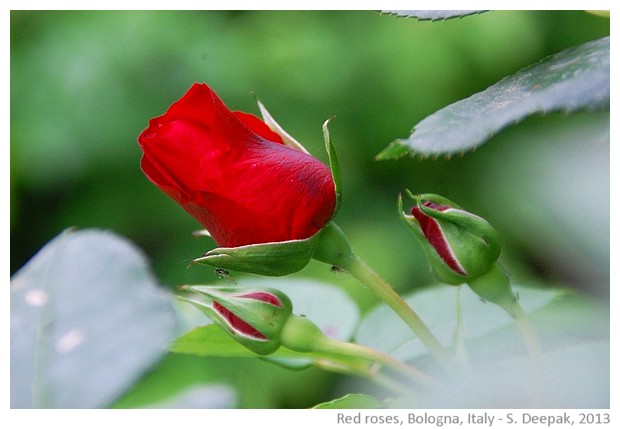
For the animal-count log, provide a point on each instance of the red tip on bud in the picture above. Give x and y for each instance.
(435, 236)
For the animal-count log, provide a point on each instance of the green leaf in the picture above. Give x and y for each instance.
(176, 375)
(603, 13)
(351, 401)
(212, 341)
(493, 366)
(433, 15)
(202, 397)
(574, 79)
(87, 320)
(209, 340)
(382, 330)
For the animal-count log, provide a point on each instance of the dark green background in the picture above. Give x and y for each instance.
(85, 83)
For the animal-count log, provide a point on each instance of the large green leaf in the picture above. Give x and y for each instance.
(181, 381)
(189, 381)
(212, 340)
(494, 368)
(576, 78)
(382, 330)
(87, 320)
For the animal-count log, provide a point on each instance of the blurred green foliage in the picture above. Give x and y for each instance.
(85, 83)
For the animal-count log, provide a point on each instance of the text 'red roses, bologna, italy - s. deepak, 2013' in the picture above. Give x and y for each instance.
(235, 175)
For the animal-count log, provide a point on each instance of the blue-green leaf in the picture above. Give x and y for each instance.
(574, 79)
(87, 320)
(382, 330)
(494, 367)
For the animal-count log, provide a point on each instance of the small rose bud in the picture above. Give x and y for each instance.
(460, 246)
(253, 317)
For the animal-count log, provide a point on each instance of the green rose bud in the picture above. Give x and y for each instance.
(460, 246)
(253, 317)
(464, 248)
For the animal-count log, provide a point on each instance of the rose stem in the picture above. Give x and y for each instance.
(342, 348)
(386, 293)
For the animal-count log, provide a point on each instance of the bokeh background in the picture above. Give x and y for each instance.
(85, 83)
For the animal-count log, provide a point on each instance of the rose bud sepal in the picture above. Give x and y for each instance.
(494, 286)
(459, 245)
(267, 259)
(333, 247)
(334, 167)
(253, 317)
(289, 141)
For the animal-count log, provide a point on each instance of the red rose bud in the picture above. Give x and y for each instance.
(245, 183)
(459, 245)
(254, 318)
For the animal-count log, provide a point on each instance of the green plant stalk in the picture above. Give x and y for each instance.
(530, 339)
(526, 330)
(301, 335)
(362, 369)
(494, 286)
(341, 348)
(361, 271)
(333, 248)
(460, 350)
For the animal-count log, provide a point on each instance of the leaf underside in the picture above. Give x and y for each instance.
(573, 332)
(87, 320)
(575, 79)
